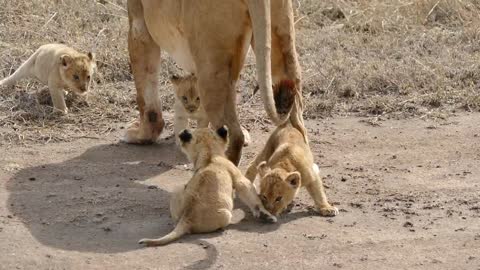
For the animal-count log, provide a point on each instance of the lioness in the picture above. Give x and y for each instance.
(205, 204)
(60, 67)
(189, 106)
(285, 164)
(210, 38)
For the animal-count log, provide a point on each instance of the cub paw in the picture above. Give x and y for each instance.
(265, 216)
(246, 135)
(329, 211)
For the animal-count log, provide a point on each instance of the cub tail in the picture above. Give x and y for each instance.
(23, 71)
(181, 229)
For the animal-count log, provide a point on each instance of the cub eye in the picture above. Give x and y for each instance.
(263, 198)
(184, 99)
(75, 77)
(88, 77)
(278, 199)
(198, 98)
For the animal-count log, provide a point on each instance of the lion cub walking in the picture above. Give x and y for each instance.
(205, 204)
(188, 106)
(60, 67)
(286, 164)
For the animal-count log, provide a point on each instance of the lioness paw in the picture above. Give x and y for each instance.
(329, 211)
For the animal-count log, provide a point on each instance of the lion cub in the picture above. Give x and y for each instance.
(60, 67)
(188, 106)
(286, 164)
(205, 204)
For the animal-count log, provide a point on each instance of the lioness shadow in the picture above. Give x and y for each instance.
(95, 202)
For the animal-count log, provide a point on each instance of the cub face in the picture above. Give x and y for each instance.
(203, 141)
(278, 188)
(186, 92)
(77, 72)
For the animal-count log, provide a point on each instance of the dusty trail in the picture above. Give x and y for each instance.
(408, 192)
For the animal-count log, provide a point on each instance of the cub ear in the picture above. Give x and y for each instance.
(222, 132)
(293, 179)
(66, 60)
(91, 56)
(263, 169)
(185, 136)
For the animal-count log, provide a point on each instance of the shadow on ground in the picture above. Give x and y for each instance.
(95, 202)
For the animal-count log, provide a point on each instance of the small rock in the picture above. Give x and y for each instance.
(9, 216)
(344, 179)
(408, 224)
(32, 178)
(152, 187)
(107, 229)
(77, 178)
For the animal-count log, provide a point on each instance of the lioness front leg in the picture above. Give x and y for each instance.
(145, 63)
(248, 195)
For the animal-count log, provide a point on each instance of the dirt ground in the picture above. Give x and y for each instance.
(407, 190)
(392, 95)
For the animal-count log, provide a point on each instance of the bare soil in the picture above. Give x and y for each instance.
(407, 190)
(392, 100)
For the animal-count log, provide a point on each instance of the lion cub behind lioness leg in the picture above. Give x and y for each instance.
(189, 106)
(205, 204)
(286, 163)
(60, 67)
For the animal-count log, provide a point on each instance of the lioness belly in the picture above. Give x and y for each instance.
(162, 19)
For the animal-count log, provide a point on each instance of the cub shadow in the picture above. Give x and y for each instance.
(94, 202)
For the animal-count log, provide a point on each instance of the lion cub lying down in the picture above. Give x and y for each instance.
(285, 165)
(189, 106)
(205, 204)
(60, 67)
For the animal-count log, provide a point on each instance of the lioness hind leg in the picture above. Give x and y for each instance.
(285, 65)
(145, 63)
(248, 195)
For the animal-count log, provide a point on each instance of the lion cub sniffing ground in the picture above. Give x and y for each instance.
(205, 204)
(285, 165)
(189, 106)
(60, 67)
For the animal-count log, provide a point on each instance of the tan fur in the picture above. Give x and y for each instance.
(188, 106)
(285, 164)
(205, 204)
(210, 38)
(60, 67)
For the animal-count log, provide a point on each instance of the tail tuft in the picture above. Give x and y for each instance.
(284, 95)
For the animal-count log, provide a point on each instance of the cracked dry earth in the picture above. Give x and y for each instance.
(408, 193)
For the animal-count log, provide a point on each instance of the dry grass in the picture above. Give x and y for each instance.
(397, 58)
